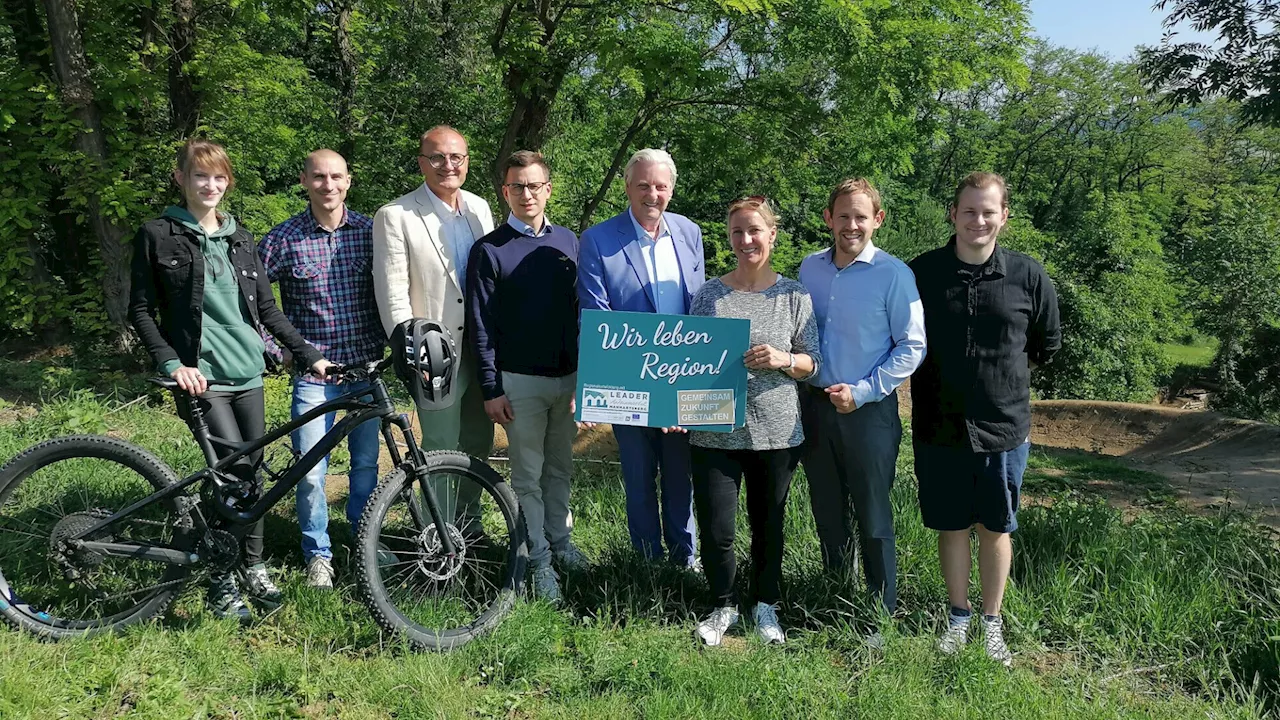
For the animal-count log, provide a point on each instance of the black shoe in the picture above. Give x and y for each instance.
(224, 600)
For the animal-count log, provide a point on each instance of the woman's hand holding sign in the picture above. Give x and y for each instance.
(766, 357)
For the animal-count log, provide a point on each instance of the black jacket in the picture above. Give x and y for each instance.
(168, 276)
(983, 326)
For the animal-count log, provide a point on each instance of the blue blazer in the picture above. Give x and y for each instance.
(611, 271)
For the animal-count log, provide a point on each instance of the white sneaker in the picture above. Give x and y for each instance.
(712, 629)
(546, 584)
(993, 630)
(320, 573)
(768, 628)
(571, 558)
(256, 582)
(956, 635)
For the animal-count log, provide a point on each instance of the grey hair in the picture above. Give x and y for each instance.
(653, 155)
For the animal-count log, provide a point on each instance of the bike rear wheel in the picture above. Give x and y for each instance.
(411, 587)
(53, 491)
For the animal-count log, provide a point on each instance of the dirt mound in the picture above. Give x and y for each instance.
(1211, 460)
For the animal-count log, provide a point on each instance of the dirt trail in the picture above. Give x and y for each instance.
(1211, 460)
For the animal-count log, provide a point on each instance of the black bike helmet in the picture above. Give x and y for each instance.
(425, 346)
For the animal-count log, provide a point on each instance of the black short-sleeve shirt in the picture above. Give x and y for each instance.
(983, 325)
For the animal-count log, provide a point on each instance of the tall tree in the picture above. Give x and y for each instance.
(346, 76)
(1241, 66)
(184, 103)
(76, 91)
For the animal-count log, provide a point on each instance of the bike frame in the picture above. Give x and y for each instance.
(358, 410)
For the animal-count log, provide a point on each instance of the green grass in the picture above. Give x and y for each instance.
(1151, 613)
(1197, 354)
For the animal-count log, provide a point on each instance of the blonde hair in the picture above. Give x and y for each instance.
(982, 181)
(854, 186)
(198, 152)
(756, 203)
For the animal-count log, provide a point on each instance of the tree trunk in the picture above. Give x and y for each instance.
(72, 68)
(619, 157)
(184, 104)
(527, 124)
(346, 81)
(23, 17)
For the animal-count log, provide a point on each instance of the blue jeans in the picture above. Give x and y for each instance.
(363, 442)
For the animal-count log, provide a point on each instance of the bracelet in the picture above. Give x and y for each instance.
(791, 365)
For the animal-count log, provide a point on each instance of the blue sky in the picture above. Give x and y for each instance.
(1113, 27)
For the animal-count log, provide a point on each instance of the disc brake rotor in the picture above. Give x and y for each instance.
(432, 560)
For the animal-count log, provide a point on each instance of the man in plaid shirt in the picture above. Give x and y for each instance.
(323, 258)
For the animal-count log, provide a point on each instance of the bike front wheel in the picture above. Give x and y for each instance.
(410, 585)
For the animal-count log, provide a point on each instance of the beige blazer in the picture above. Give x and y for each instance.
(413, 266)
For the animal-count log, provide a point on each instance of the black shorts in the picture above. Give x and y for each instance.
(959, 487)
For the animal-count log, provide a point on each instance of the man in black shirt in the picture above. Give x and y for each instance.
(522, 308)
(991, 315)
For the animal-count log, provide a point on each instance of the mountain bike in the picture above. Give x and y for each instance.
(97, 534)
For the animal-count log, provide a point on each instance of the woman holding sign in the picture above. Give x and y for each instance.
(766, 450)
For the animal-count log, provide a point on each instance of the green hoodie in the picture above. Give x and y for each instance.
(230, 347)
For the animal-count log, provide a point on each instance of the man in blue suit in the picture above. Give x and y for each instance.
(648, 260)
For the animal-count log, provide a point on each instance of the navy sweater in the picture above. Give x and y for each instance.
(522, 305)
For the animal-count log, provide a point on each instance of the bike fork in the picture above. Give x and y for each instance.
(419, 462)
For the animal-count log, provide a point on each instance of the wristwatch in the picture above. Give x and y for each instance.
(792, 363)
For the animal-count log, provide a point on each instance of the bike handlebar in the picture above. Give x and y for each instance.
(344, 373)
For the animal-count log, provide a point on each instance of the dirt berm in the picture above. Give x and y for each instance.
(1210, 460)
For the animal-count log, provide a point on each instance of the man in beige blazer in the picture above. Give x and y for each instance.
(421, 244)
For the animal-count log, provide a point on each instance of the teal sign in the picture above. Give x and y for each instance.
(662, 370)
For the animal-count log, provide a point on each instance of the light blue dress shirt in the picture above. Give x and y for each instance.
(457, 232)
(662, 265)
(525, 228)
(870, 320)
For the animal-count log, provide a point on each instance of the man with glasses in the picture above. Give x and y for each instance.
(421, 243)
(522, 308)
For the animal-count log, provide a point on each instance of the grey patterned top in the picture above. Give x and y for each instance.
(781, 316)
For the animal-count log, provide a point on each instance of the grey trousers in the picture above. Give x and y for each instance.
(849, 461)
(461, 426)
(540, 444)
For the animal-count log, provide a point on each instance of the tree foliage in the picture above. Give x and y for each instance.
(1240, 66)
(1128, 195)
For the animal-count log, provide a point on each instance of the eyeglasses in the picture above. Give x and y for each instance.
(439, 160)
(755, 200)
(518, 188)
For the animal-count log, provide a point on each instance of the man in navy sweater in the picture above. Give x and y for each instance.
(522, 307)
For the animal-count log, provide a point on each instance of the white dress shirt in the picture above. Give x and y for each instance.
(662, 266)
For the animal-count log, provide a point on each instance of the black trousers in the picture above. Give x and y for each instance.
(239, 416)
(717, 477)
(849, 461)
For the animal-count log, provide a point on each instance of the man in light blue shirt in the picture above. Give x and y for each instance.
(457, 231)
(871, 324)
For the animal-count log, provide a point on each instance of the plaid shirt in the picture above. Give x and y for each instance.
(326, 284)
